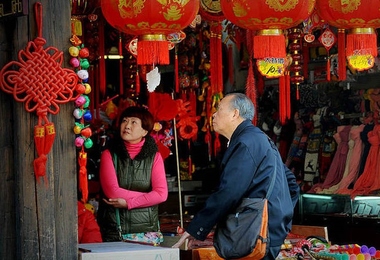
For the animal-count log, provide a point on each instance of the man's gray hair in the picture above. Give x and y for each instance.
(244, 104)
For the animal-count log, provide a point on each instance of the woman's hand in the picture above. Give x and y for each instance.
(181, 240)
(117, 203)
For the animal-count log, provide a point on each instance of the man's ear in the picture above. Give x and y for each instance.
(236, 113)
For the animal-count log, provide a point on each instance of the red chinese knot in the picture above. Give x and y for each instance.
(42, 85)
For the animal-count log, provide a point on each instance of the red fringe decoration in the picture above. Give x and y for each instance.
(297, 92)
(342, 71)
(152, 52)
(366, 43)
(269, 46)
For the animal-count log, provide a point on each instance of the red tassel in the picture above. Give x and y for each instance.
(328, 72)
(288, 95)
(297, 92)
(362, 43)
(44, 138)
(39, 141)
(282, 100)
(305, 61)
(216, 58)
(176, 70)
(83, 181)
(102, 62)
(137, 83)
(121, 84)
(153, 52)
(269, 46)
(216, 144)
(342, 71)
(250, 88)
(230, 65)
(189, 160)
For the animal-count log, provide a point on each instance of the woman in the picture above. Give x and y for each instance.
(133, 181)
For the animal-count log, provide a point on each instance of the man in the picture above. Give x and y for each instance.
(247, 169)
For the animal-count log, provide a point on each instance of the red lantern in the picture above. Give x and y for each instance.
(152, 21)
(359, 17)
(269, 18)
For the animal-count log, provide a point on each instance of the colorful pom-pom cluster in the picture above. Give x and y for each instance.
(81, 113)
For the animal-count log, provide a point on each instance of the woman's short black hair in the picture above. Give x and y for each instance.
(147, 120)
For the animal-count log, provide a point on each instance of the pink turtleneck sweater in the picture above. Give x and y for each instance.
(110, 185)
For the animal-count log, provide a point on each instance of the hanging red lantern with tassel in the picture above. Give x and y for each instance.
(360, 18)
(152, 21)
(268, 18)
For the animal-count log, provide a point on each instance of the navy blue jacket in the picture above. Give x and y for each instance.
(247, 169)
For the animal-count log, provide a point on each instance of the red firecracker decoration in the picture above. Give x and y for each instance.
(295, 49)
(152, 21)
(268, 18)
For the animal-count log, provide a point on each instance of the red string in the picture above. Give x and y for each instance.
(176, 70)
(38, 14)
(102, 62)
(121, 87)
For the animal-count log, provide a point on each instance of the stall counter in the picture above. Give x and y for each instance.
(124, 250)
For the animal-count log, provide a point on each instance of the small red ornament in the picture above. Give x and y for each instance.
(327, 39)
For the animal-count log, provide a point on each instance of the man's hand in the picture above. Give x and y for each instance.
(117, 203)
(181, 240)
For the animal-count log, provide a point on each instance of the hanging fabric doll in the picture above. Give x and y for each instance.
(313, 148)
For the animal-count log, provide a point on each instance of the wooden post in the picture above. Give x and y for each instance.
(40, 218)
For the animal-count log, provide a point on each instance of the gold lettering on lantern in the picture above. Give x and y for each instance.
(282, 5)
(239, 9)
(271, 67)
(130, 8)
(344, 6)
(173, 9)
